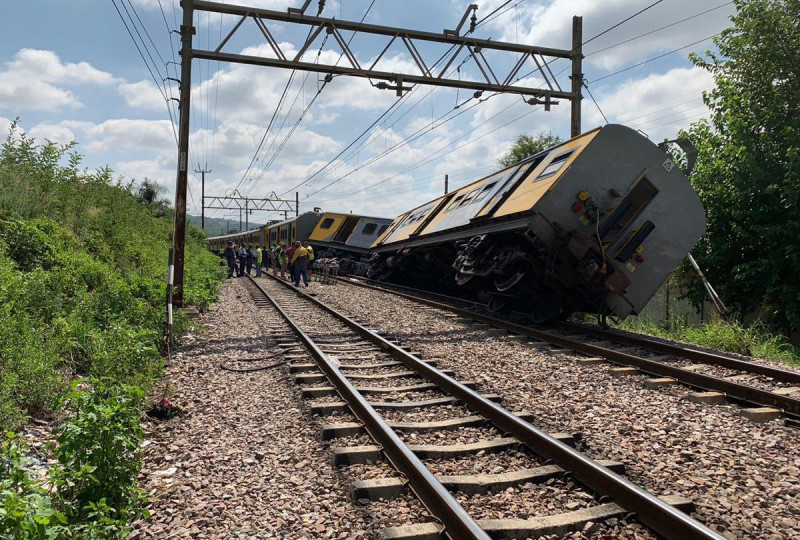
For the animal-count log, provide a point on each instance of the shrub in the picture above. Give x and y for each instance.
(99, 458)
(26, 510)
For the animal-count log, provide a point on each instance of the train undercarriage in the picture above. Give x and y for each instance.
(510, 271)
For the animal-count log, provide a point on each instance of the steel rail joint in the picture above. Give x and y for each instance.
(459, 525)
(652, 511)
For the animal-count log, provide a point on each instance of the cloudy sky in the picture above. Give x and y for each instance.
(95, 71)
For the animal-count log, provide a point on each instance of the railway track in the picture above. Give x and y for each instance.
(360, 371)
(766, 392)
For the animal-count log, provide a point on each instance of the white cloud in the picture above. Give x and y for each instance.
(142, 94)
(550, 25)
(123, 134)
(659, 104)
(56, 133)
(28, 82)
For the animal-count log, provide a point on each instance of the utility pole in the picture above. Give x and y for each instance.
(296, 203)
(446, 187)
(179, 237)
(203, 172)
(246, 215)
(577, 75)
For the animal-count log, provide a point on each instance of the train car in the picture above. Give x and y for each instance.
(347, 238)
(595, 224)
(218, 244)
(291, 230)
(344, 237)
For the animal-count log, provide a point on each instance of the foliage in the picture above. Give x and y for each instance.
(26, 509)
(754, 340)
(98, 455)
(748, 171)
(525, 146)
(82, 291)
(98, 459)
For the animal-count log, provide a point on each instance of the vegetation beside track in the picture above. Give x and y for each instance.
(83, 261)
(753, 340)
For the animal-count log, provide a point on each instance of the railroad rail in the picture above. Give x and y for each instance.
(660, 516)
(762, 401)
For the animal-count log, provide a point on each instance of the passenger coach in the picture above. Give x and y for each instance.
(595, 224)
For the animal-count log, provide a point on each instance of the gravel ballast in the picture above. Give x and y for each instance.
(744, 477)
(246, 460)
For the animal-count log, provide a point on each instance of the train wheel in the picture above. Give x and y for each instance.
(496, 303)
(462, 279)
(506, 281)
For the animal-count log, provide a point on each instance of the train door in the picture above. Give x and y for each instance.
(346, 229)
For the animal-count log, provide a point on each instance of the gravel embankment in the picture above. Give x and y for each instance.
(245, 461)
(743, 477)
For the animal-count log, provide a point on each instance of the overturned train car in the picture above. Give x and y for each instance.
(595, 224)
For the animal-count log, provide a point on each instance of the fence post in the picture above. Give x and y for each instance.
(170, 278)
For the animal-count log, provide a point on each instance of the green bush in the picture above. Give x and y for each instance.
(26, 509)
(98, 454)
(83, 265)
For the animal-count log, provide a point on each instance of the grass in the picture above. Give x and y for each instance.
(752, 340)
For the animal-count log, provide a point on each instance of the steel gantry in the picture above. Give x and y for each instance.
(491, 77)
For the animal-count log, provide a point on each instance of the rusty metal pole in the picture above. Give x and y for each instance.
(577, 75)
(296, 203)
(179, 235)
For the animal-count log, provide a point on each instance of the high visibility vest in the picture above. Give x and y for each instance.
(258, 255)
(310, 253)
(281, 257)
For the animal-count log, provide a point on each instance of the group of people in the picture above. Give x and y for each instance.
(295, 259)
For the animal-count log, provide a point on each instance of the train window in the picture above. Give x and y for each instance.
(382, 229)
(485, 191)
(369, 228)
(554, 166)
(326, 223)
(455, 202)
(469, 197)
(631, 206)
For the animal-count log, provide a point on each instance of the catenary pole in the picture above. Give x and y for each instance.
(179, 237)
(202, 172)
(577, 75)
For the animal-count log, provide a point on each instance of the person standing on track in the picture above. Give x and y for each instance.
(282, 260)
(249, 258)
(230, 257)
(242, 260)
(259, 258)
(310, 255)
(300, 263)
(290, 260)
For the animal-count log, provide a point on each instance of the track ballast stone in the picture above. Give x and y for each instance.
(246, 460)
(743, 477)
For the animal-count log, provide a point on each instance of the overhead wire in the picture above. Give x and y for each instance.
(319, 91)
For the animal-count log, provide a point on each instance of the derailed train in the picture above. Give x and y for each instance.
(345, 237)
(595, 224)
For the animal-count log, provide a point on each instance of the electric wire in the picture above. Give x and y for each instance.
(607, 30)
(654, 58)
(319, 90)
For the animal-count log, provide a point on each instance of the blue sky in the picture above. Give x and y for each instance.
(70, 71)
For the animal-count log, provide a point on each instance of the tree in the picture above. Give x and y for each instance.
(525, 146)
(748, 169)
